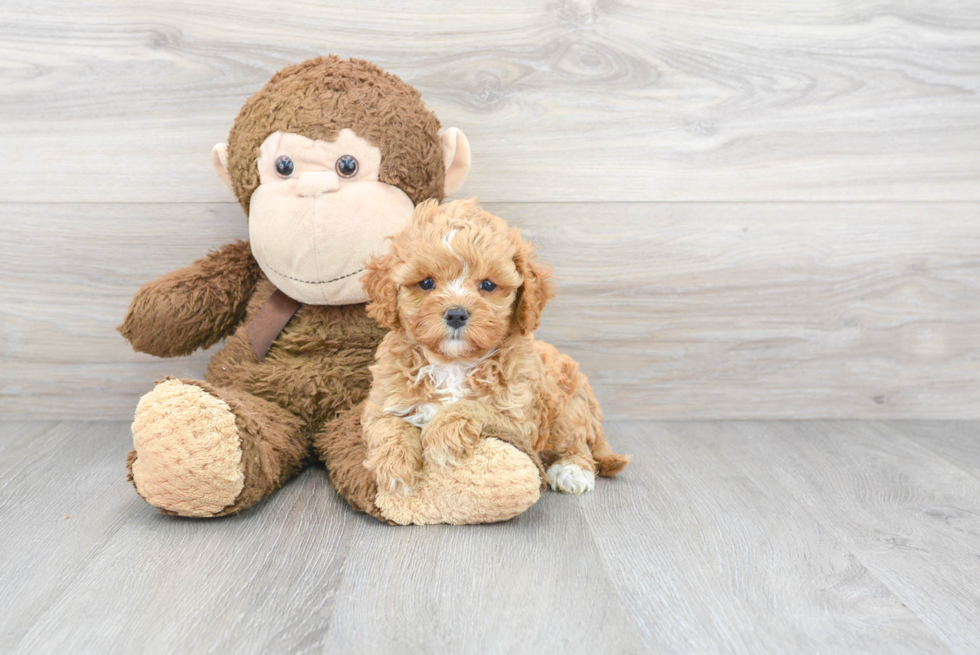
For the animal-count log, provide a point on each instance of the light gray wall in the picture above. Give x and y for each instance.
(756, 209)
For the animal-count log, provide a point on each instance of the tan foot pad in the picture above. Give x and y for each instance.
(496, 483)
(189, 455)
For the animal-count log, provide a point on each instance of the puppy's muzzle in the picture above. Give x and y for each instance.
(456, 317)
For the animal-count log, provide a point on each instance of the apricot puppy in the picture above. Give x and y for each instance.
(462, 294)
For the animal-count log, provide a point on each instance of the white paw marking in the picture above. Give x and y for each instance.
(571, 479)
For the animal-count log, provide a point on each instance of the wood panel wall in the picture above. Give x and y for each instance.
(756, 210)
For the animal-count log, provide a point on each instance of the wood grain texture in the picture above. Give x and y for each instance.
(532, 585)
(719, 558)
(768, 310)
(772, 310)
(49, 472)
(958, 442)
(721, 537)
(909, 516)
(575, 100)
(137, 581)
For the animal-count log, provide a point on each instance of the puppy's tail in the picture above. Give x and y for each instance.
(609, 462)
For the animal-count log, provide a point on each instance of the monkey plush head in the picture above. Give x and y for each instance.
(328, 160)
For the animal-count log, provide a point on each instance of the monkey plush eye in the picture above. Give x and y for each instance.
(427, 284)
(284, 166)
(346, 166)
(487, 286)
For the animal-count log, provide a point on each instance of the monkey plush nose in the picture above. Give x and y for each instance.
(315, 183)
(456, 317)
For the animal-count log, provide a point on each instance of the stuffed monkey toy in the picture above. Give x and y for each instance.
(327, 160)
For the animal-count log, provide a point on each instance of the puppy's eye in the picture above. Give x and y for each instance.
(346, 166)
(428, 284)
(284, 166)
(487, 286)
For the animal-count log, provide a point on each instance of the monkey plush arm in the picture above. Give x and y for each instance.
(192, 307)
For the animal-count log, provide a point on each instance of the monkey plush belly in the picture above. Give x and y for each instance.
(317, 367)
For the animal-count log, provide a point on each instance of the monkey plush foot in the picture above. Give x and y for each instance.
(188, 450)
(496, 483)
(203, 451)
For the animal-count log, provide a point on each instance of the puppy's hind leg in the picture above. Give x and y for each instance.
(608, 462)
(578, 444)
(573, 469)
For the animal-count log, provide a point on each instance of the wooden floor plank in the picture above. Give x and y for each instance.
(258, 582)
(726, 537)
(909, 516)
(535, 584)
(711, 557)
(958, 442)
(700, 310)
(16, 437)
(584, 100)
(63, 495)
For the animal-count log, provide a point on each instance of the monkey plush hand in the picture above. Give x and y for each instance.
(327, 160)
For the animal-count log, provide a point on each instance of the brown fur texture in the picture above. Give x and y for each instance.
(319, 97)
(272, 442)
(314, 373)
(194, 307)
(340, 444)
(436, 388)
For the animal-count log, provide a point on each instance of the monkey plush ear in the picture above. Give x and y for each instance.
(383, 292)
(456, 157)
(219, 159)
(534, 293)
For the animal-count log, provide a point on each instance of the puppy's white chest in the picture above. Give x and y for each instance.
(449, 383)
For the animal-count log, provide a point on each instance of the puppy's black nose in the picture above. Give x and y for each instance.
(456, 317)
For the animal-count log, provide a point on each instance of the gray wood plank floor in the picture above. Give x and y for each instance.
(722, 537)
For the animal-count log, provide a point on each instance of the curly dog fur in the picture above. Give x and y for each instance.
(462, 294)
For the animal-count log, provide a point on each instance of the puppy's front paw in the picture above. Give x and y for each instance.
(396, 469)
(449, 438)
(571, 478)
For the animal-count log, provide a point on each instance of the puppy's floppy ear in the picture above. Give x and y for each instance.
(536, 290)
(383, 291)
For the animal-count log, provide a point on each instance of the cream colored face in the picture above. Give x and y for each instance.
(312, 230)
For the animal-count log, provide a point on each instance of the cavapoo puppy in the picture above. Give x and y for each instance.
(462, 294)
